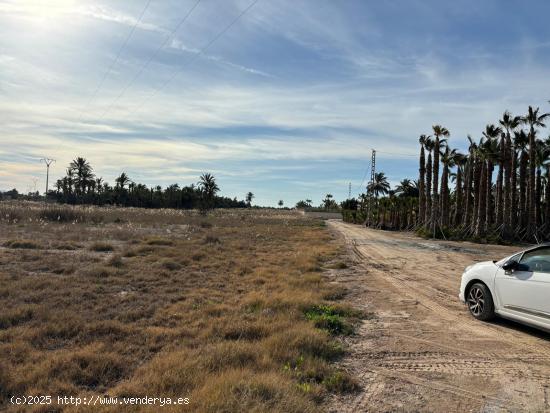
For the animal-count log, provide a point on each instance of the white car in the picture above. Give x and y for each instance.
(516, 287)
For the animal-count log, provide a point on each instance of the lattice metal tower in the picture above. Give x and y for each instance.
(372, 173)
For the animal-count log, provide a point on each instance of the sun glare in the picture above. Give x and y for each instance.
(42, 10)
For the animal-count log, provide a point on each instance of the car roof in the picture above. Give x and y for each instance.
(534, 247)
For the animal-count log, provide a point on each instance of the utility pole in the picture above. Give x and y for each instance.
(349, 191)
(48, 162)
(372, 173)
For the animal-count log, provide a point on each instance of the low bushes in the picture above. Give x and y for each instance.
(101, 247)
(22, 244)
(331, 319)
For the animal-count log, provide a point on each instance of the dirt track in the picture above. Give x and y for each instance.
(419, 349)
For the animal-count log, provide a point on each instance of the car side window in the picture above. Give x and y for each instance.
(537, 260)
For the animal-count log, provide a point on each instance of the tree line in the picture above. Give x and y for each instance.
(80, 185)
(498, 190)
(515, 205)
(383, 207)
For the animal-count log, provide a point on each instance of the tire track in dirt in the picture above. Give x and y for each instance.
(422, 343)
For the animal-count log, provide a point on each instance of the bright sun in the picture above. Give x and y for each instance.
(41, 9)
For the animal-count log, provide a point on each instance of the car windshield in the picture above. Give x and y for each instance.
(515, 257)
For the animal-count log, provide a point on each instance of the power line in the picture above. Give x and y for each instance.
(397, 153)
(363, 180)
(114, 62)
(144, 66)
(199, 54)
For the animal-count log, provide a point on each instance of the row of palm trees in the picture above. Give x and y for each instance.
(80, 185)
(515, 205)
(498, 189)
(383, 207)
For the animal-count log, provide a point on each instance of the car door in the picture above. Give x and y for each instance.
(525, 291)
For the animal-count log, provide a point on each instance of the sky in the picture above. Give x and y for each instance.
(286, 100)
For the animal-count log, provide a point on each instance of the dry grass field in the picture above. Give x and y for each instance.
(230, 310)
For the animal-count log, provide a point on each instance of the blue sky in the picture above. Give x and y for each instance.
(287, 103)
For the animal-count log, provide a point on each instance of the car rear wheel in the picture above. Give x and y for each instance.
(480, 302)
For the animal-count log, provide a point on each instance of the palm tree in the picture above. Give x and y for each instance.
(448, 159)
(380, 184)
(328, 202)
(459, 161)
(407, 188)
(491, 153)
(481, 190)
(82, 172)
(122, 181)
(439, 131)
(546, 164)
(499, 199)
(534, 120)
(248, 199)
(542, 155)
(99, 185)
(509, 123)
(429, 145)
(520, 143)
(469, 192)
(208, 187)
(422, 179)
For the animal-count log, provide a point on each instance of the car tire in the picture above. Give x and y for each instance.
(480, 302)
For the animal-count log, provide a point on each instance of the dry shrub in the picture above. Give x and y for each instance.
(245, 330)
(300, 340)
(160, 241)
(245, 390)
(5, 384)
(116, 261)
(340, 265)
(14, 317)
(101, 247)
(211, 239)
(99, 271)
(198, 256)
(61, 214)
(9, 213)
(335, 293)
(67, 246)
(130, 253)
(22, 244)
(222, 332)
(91, 367)
(55, 330)
(145, 249)
(340, 382)
(170, 265)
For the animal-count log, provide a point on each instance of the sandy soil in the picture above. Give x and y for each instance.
(419, 349)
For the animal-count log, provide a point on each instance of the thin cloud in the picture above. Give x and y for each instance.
(107, 14)
(179, 45)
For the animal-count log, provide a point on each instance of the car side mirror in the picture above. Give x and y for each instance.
(510, 265)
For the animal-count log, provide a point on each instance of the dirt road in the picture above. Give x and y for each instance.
(419, 349)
